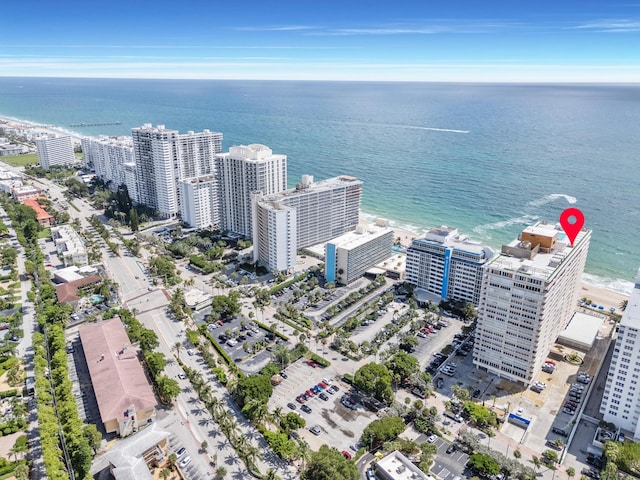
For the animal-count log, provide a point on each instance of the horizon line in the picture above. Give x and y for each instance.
(469, 82)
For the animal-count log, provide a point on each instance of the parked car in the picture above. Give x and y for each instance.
(181, 452)
(315, 430)
(292, 406)
(305, 409)
(185, 461)
(432, 438)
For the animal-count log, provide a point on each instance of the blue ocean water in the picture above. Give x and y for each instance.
(486, 158)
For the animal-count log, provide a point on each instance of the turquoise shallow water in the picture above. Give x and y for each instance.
(488, 159)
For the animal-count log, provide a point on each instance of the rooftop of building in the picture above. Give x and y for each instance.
(121, 141)
(254, 152)
(361, 235)
(450, 237)
(41, 213)
(126, 456)
(307, 186)
(399, 467)
(631, 315)
(118, 379)
(582, 329)
(68, 292)
(539, 250)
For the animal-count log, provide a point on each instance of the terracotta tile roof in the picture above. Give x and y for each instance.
(116, 374)
(41, 213)
(68, 292)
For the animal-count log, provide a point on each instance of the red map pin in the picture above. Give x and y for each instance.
(572, 221)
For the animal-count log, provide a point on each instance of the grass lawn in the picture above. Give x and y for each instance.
(21, 160)
(45, 233)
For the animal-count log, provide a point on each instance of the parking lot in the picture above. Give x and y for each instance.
(448, 465)
(339, 426)
(238, 342)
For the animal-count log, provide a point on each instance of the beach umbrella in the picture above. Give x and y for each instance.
(612, 309)
(601, 307)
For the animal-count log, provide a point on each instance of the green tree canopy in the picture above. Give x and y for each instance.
(292, 421)
(374, 379)
(403, 365)
(253, 387)
(484, 464)
(168, 388)
(329, 464)
(383, 430)
(155, 362)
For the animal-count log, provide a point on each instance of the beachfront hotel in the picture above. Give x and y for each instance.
(163, 157)
(309, 214)
(529, 293)
(55, 150)
(349, 256)
(447, 265)
(621, 399)
(243, 171)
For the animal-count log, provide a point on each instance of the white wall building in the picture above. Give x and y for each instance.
(323, 211)
(164, 157)
(55, 150)
(69, 245)
(243, 171)
(349, 256)
(529, 293)
(200, 207)
(447, 264)
(621, 399)
(108, 156)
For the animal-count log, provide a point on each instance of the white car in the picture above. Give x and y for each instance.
(185, 461)
(432, 438)
(190, 352)
(232, 343)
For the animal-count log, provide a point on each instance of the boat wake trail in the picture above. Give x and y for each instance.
(550, 198)
(486, 228)
(433, 129)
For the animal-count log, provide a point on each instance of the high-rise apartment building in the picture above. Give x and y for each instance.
(55, 150)
(243, 171)
(107, 156)
(621, 399)
(323, 211)
(164, 157)
(447, 264)
(529, 292)
(200, 206)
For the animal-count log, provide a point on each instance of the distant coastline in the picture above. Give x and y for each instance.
(508, 171)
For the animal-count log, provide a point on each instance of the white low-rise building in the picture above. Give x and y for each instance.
(349, 256)
(395, 466)
(69, 245)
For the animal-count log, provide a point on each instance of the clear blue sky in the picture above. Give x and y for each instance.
(421, 40)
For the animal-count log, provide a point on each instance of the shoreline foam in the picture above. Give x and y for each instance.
(406, 232)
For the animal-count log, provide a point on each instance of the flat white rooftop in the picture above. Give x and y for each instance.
(360, 236)
(449, 237)
(631, 316)
(398, 467)
(541, 264)
(582, 329)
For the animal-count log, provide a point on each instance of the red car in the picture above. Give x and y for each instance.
(322, 385)
(550, 362)
(300, 399)
(346, 454)
(311, 363)
(310, 393)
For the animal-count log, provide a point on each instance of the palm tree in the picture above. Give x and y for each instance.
(176, 348)
(536, 463)
(221, 472)
(256, 410)
(276, 416)
(271, 475)
(165, 473)
(251, 453)
(623, 305)
(304, 452)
